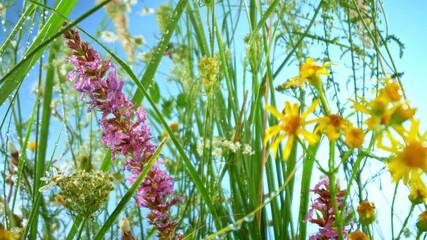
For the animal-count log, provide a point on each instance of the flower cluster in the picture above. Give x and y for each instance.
(388, 111)
(292, 122)
(156, 193)
(220, 146)
(325, 216)
(387, 115)
(209, 68)
(97, 79)
(124, 130)
(82, 192)
(163, 14)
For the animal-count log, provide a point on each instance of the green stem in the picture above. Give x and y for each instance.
(81, 228)
(307, 170)
(406, 221)
(333, 190)
(252, 214)
(323, 99)
(392, 210)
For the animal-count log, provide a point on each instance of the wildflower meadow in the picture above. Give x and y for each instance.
(207, 119)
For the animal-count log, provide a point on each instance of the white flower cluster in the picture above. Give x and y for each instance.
(220, 146)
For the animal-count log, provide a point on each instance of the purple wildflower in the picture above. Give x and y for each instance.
(155, 190)
(97, 80)
(323, 207)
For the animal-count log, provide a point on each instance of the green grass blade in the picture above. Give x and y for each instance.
(152, 66)
(251, 215)
(12, 79)
(43, 139)
(307, 170)
(37, 200)
(17, 27)
(106, 163)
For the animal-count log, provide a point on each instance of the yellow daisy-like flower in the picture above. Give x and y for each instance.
(331, 126)
(290, 126)
(309, 71)
(410, 157)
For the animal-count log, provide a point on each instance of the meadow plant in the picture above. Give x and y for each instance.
(324, 210)
(207, 120)
(98, 80)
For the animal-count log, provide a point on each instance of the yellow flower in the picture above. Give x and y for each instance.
(358, 235)
(5, 234)
(309, 71)
(331, 126)
(366, 211)
(174, 127)
(410, 157)
(8, 235)
(386, 109)
(354, 137)
(377, 109)
(290, 126)
(418, 193)
(32, 146)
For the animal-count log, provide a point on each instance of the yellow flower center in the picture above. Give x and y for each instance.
(354, 137)
(379, 106)
(414, 155)
(291, 125)
(335, 120)
(423, 216)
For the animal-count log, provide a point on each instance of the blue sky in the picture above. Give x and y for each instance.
(406, 20)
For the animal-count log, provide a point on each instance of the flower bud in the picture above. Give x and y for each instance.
(358, 235)
(422, 222)
(366, 211)
(124, 225)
